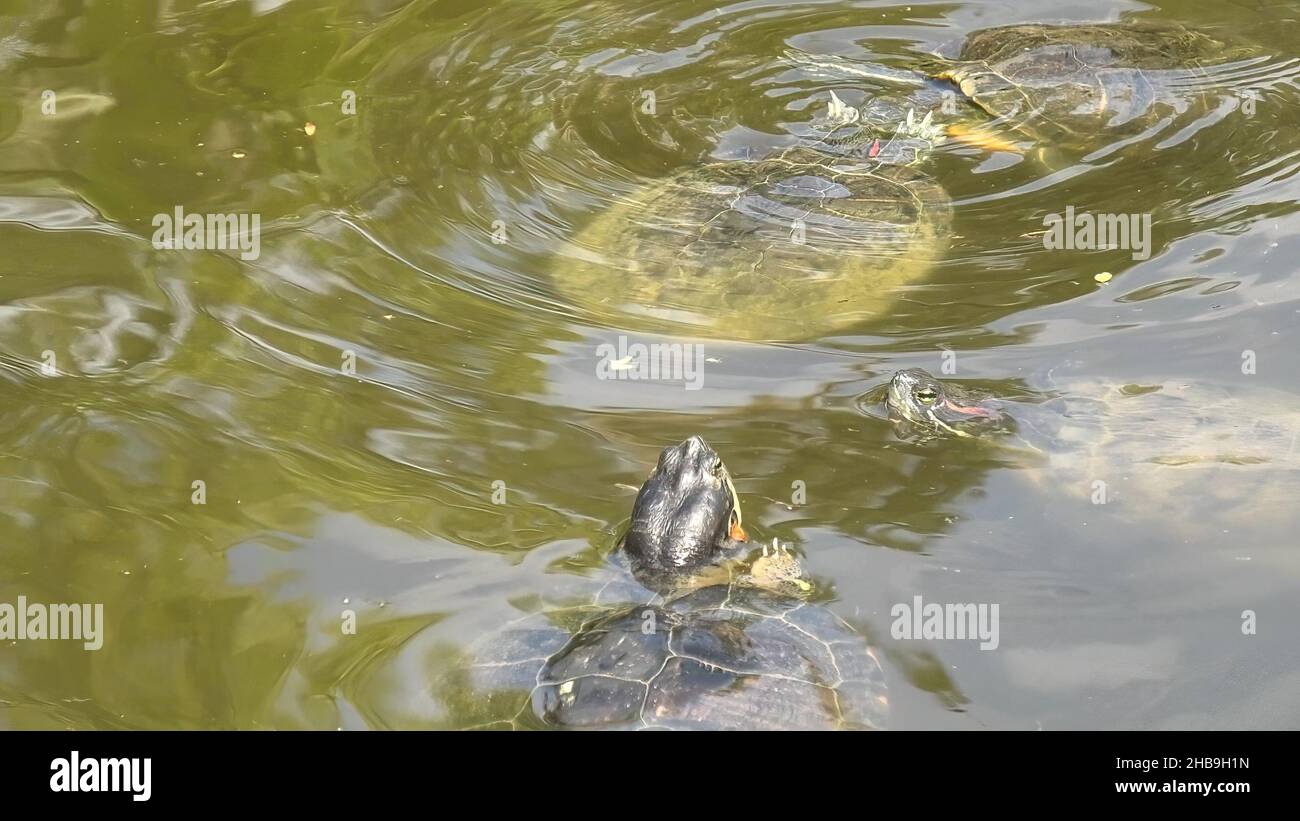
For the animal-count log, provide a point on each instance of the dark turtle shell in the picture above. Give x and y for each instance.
(722, 657)
(1076, 80)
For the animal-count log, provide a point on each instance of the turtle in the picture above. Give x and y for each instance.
(1175, 450)
(922, 405)
(783, 248)
(1064, 85)
(1067, 82)
(718, 644)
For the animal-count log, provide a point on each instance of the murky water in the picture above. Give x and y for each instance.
(395, 409)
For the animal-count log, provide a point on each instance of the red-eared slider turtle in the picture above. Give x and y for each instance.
(1069, 81)
(922, 406)
(1064, 85)
(748, 652)
(1177, 451)
(782, 248)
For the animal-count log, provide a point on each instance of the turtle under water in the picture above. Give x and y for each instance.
(721, 645)
(1066, 85)
(787, 247)
(1176, 451)
(1068, 82)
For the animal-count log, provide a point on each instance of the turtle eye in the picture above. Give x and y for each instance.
(927, 395)
(716, 467)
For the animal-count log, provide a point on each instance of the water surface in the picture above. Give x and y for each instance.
(418, 236)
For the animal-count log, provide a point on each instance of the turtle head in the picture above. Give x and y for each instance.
(920, 399)
(913, 139)
(879, 132)
(687, 514)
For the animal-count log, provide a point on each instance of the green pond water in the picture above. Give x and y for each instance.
(396, 413)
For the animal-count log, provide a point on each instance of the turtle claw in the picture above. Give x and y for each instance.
(839, 113)
(925, 129)
(778, 570)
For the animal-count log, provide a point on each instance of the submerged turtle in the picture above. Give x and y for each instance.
(782, 248)
(1063, 84)
(1175, 451)
(721, 647)
(1058, 82)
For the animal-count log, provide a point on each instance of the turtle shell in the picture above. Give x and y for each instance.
(721, 657)
(1172, 424)
(1076, 80)
(784, 248)
(1201, 458)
